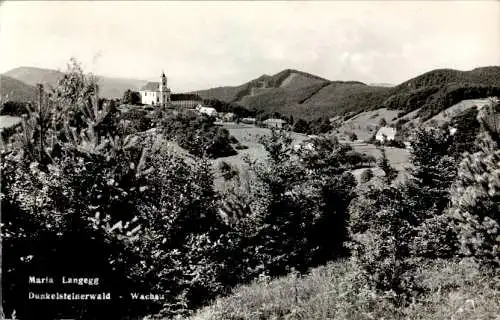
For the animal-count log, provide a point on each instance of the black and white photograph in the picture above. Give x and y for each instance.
(250, 160)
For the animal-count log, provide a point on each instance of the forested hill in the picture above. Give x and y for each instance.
(15, 90)
(307, 96)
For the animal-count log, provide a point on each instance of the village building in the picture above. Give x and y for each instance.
(248, 120)
(274, 123)
(211, 112)
(156, 93)
(186, 100)
(385, 134)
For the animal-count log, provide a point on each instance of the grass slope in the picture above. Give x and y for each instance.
(109, 87)
(452, 290)
(15, 90)
(342, 97)
(280, 99)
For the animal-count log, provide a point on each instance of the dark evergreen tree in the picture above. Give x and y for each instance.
(475, 197)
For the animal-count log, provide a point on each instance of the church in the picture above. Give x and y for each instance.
(156, 93)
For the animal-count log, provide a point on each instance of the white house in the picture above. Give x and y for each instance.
(274, 123)
(248, 120)
(385, 134)
(206, 110)
(156, 93)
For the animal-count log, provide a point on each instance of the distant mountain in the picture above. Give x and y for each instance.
(483, 75)
(304, 95)
(288, 79)
(297, 93)
(436, 90)
(13, 89)
(109, 87)
(307, 96)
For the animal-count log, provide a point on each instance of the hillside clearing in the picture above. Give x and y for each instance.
(248, 135)
(364, 124)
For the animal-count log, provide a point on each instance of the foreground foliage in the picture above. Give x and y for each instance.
(450, 289)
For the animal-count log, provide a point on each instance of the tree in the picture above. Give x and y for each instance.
(382, 122)
(432, 172)
(302, 126)
(353, 136)
(131, 97)
(301, 200)
(475, 197)
(366, 175)
(467, 129)
(383, 163)
(14, 108)
(380, 231)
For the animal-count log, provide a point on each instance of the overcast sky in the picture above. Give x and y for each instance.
(207, 44)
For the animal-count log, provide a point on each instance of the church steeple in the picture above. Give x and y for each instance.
(163, 79)
(164, 91)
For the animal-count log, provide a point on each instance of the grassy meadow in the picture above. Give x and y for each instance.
(248, 135)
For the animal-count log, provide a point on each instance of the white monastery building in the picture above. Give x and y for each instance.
(156, 93)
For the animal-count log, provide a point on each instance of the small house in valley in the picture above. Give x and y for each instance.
(206, 110)
(248, 120)
(385, 134)
(274, 123)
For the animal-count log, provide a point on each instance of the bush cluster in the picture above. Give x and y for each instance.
(198, 135)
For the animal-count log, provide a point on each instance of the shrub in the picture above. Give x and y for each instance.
(131, 97)
(228, 171)
(475, 200)
(298, 199)
(380, 229)
(241, 147)
(366, 175)
(302, 126)
(382, 122)
(13, 108)
(352, 136)
(198, 135)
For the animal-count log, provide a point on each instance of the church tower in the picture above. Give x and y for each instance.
(164, 91)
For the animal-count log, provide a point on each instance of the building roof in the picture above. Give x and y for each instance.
(151, 86)
(185, 97)
(274, 121)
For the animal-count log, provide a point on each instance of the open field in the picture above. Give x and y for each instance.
(248, 135)
(9, 121)
(364, 125)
